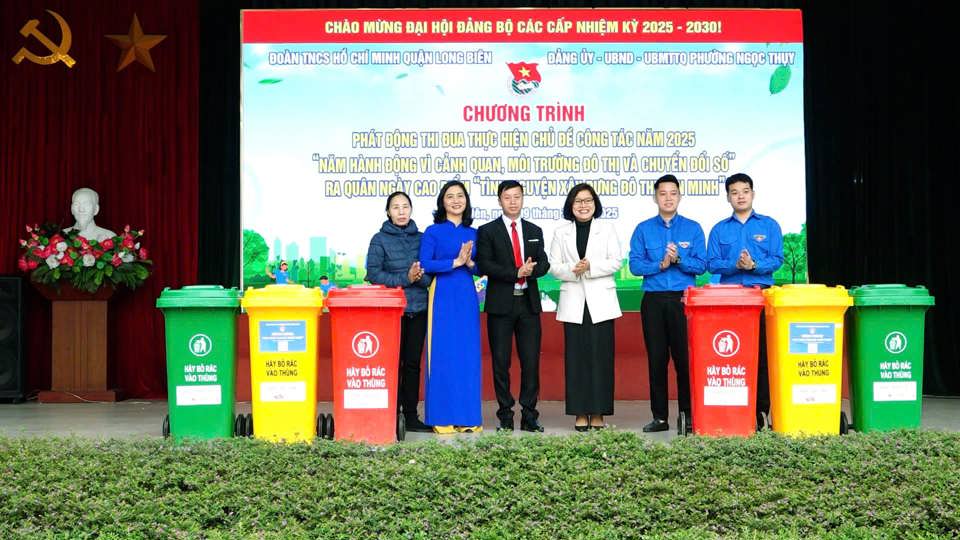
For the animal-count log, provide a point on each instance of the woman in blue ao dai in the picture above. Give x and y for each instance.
(447, 251)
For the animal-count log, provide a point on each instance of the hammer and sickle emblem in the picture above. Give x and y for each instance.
(57, 52)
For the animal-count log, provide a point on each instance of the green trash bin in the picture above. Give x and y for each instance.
(885, 335)
(201, 337)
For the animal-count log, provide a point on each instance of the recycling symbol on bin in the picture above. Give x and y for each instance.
(726, 343)
(200, 345)
(366, 344)
(895, 342)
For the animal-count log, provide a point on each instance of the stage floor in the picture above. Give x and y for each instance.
(135, 418)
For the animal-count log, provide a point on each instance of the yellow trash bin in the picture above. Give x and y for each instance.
(805, 357)
(283, 360)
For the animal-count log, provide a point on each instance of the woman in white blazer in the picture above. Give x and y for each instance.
(584, 255)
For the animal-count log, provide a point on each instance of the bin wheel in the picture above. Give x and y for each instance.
(239, 426)
(321, 425)
(248, 427)
(682, 424)
(844, 425)
(401, 427)
(165, 429)
(329, 430)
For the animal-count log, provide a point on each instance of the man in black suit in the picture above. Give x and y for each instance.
(511, 253)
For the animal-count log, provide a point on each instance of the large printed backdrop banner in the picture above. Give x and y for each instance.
(343, 107)
(130, 135)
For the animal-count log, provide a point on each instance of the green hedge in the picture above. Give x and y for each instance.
(603, 485)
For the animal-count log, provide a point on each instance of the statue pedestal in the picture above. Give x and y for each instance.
(79, 346)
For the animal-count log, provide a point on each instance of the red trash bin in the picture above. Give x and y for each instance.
(365, 330)
(723, 330)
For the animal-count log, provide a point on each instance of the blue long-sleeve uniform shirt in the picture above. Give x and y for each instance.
(648, 245)
(760, 235)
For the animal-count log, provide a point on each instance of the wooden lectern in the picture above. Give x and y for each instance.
(79, 346)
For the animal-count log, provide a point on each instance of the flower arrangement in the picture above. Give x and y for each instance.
(53, 255)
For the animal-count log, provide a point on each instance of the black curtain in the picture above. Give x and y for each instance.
(879, 115)
(879, 133)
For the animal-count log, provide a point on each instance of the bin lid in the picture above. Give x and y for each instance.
(807, 294)
(282, 296)
(376, 296)
(723, 295)
(891, 294)
(208, 296)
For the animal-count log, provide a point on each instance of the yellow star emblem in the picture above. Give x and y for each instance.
(524, 71)
(135, 45)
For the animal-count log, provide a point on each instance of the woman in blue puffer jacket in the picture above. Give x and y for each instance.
(392, 261)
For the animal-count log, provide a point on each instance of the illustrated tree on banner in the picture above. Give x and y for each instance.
(255, 253)
(795, 256)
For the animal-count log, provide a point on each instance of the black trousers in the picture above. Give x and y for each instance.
(665, 333)
(763, 376)
(523, 325)
(413, 331)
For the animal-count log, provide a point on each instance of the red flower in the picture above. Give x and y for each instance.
(77, 257)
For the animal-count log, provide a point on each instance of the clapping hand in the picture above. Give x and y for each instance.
(669, 257)
(746, 262)
(415, 272)
(463, 258)
(582, 266)
(527, 268)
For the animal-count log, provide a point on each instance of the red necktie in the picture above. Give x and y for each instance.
(516, 249)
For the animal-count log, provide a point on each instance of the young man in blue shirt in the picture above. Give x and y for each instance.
(668, 251)
(747, 248)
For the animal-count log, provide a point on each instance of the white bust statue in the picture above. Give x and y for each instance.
(86, 205)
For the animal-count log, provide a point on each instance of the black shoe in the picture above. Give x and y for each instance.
(505, 425)
(656, 425)
(531, 425)
(596, 427)
(415, 425)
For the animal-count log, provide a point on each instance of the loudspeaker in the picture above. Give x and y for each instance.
(12, 366)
